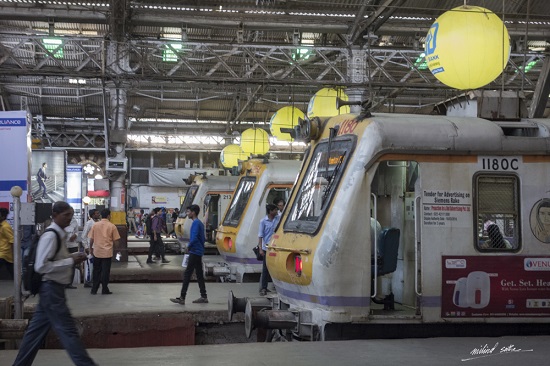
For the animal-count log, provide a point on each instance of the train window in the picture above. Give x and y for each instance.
(497, 212)
(319, 185)
(239, 201)
(188, 200)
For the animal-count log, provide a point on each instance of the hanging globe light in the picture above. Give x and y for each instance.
(323, 103)
(255, 141)
(467, 47)
(231, 154)
(286, 117)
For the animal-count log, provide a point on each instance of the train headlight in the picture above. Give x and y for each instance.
(298, 265)
(310, 128)
(227, 243)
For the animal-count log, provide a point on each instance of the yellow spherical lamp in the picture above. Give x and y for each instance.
(323, 103)
(255, 141)
(231, 154)
(286, 117)
(467, 47)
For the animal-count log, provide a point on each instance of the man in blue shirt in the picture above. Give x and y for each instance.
(196, 251)
(267, 227)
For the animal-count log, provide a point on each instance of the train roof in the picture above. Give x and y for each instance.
(429, 134)
(214, 182)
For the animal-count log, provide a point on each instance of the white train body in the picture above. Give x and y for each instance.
(212, 194)
(444, 183)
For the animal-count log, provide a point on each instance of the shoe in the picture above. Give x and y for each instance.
(178, 300)
(106, 292)
(201, 300)
(87, 285)
(263, 292)
(93, 292)
(70, 286)
(165, 261)
(157, 258)
(268, 290)
(149, 261)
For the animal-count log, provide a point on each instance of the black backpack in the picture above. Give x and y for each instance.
(31, 279)
(149, 225)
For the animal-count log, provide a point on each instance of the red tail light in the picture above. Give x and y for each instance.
(298, 265)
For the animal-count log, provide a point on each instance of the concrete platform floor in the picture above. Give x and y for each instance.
(135, 298)
(509, 351)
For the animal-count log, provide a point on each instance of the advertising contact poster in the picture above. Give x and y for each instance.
(495, 286)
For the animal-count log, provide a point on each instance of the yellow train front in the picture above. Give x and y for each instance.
(261, 182)
(403, 222)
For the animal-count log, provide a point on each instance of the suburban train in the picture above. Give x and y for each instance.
(212, 194)
(435, 225)
(261, 182)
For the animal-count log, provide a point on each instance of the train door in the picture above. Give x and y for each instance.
(393, 189)
(215, 205)
(211, 213)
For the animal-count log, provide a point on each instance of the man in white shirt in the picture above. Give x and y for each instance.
(72, 243)
(55, 263)
(88, 265)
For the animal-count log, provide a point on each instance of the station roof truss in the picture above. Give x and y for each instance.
(215, 68)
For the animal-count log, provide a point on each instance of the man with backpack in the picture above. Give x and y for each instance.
(55, 263)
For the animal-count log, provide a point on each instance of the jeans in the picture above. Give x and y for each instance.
(195, 264)
(266, 277)
(52, 312)
(101, 274)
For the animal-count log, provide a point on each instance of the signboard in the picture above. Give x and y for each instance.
(15, 152)
(52, 164)
(444, 208)
(74, 189)
(495, 286)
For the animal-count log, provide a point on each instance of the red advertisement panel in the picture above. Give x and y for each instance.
(495, 286)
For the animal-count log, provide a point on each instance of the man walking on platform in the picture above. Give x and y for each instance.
(196, 251)
(103, 236)
(56, 264)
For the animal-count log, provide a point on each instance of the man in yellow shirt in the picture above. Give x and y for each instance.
(6, 242)
(103, 236)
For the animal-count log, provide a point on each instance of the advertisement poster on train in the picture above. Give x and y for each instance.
(495, 286)
(445, 208)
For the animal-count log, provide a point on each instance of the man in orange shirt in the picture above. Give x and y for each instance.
(103, 236)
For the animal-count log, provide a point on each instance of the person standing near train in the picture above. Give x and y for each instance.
(265, 232)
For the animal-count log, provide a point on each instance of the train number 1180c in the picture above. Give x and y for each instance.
(497, 163)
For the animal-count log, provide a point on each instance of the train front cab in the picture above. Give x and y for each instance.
(449, 270)
(261, 183)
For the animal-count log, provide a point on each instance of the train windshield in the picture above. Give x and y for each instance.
(319, 185)
(239, 201)
(188, 200)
